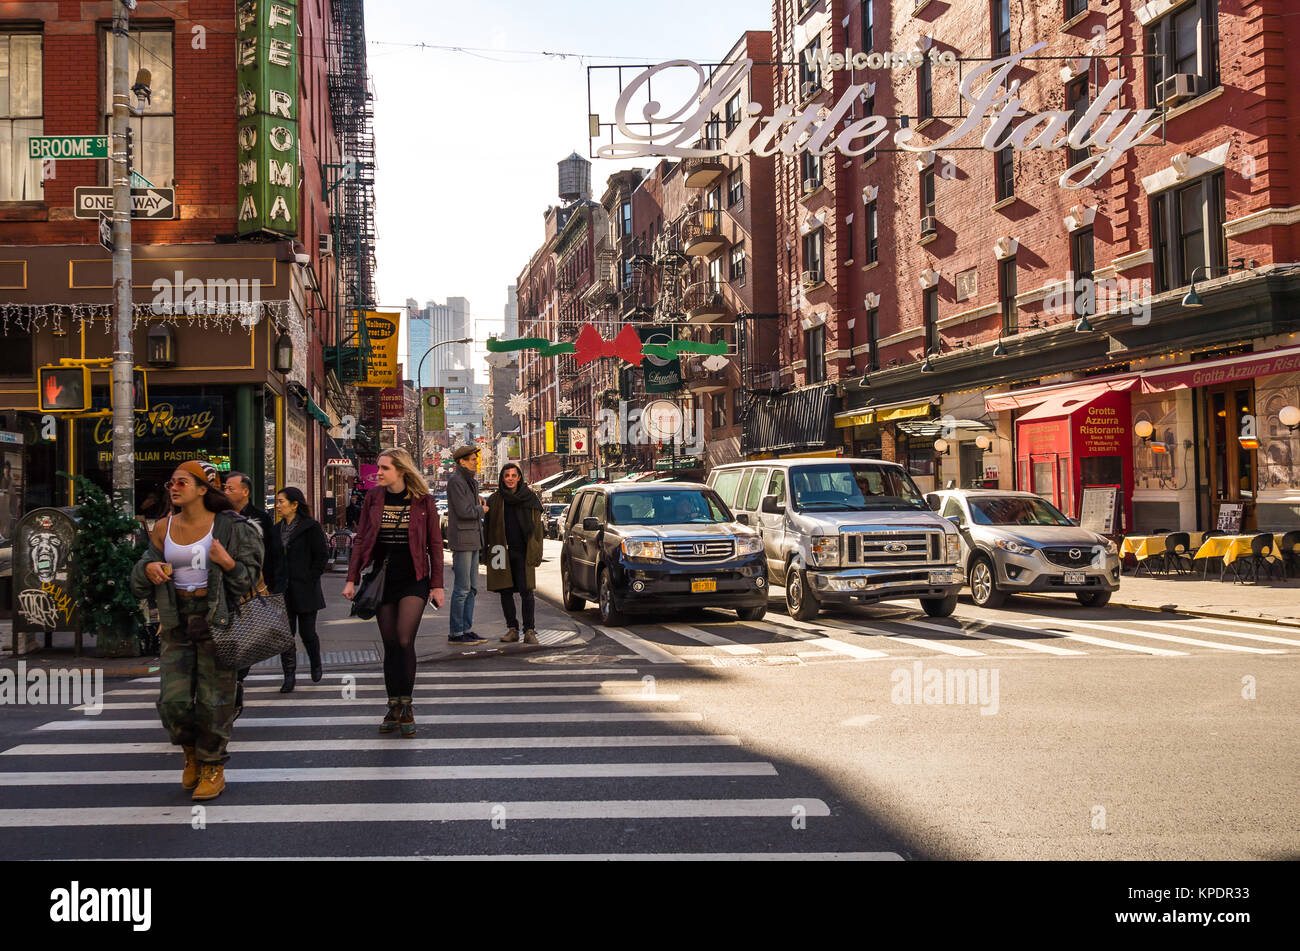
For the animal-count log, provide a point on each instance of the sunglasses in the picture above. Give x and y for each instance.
(178, 483)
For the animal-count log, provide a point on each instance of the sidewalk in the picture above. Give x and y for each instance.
(1272, 601)
(347, 643)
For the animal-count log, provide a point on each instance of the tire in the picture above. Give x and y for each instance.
(1093, 599)
(940, 607)
(752, 614)
(982, 579)
(800, 603)
(571, 603)
(610, 616)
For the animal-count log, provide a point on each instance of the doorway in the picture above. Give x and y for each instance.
(1232, 469)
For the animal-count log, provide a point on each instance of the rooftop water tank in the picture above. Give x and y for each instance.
(575, 178)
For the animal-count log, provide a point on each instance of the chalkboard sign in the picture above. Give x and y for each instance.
(1230, 517)
(1099, 511)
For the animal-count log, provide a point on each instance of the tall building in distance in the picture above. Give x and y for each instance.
(432, 323)
(511, 313)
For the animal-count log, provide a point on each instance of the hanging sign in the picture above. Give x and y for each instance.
(663, 374)
(434, 409)
(266, 52)
(381, 363)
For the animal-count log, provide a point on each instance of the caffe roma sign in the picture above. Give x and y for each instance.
(994, 108)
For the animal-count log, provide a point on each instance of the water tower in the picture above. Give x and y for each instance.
(575, 179)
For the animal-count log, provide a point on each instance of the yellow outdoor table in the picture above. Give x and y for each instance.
(1142, 547)
(1232, 547)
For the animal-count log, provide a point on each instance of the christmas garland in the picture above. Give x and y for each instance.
(208, 315)
(589, 345)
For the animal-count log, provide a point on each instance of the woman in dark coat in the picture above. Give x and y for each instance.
(302, 563)
(513, 534)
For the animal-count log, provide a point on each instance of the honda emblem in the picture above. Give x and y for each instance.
(699, 548)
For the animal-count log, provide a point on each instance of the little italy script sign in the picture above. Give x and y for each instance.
(995, 106)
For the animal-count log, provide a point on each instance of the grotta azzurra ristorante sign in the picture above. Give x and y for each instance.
(995, 117)
(266, 51)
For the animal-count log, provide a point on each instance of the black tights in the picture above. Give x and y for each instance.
(398, 625)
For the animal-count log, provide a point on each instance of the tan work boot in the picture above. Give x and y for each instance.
(391, 717)
(512, 636)
(212, 781)
(190, 778)
(530, 636)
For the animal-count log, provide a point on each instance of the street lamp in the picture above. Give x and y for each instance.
(440, 343)
(283, 354)
(1193, 299)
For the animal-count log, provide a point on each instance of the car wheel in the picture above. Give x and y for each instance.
(983, 587)
(571, 603)
(940, 607)
(800, 603)
(1093, 599)
(752, 614)
(610, 616)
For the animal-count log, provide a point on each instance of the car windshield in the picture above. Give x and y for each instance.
(555, 509)
(1015, 510)
(848, 487)
(667, 508)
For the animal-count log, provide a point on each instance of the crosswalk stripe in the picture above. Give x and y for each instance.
(1173, 638)
(839, 647)
(306, 774)
(924, 643)
(286, 701)
(711, 639)
(798, 630)
(380, 690)
(641, 647)
(413, 743)
(449, 675)
(416, 812)
(1009, 641)
(549, 857)
(1255, 626)
(1104, 642)
(1211, 630)
(245, 722)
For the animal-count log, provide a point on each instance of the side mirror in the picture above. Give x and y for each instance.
(958, 521)
(1073, 521)
(772, 506)
(742, 518)
(591, 524)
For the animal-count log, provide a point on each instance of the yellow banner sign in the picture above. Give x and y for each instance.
(381, 365)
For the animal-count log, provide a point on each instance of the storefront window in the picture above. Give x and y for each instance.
(270, 477)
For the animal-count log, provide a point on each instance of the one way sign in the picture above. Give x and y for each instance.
(145, 202)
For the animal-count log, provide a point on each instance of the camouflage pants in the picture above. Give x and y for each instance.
(197, 698)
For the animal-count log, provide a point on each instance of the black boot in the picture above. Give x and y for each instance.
(289, 661)
(313, 654)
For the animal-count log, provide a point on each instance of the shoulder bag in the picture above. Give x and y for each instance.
(258, 629)
(365, 603)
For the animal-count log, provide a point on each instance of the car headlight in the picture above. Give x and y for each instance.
(954, 548)
(1109, 546)
(826, 550)
(1016, 548)
(643, 549)
(748, 544)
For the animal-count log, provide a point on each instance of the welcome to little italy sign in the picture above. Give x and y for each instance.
(994, 101)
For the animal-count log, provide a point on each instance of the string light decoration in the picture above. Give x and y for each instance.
(209, 315)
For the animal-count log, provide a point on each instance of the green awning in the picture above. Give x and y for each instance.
(317, 413)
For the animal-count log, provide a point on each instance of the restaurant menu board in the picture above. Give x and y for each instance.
(1100, 509)
(1230, 517)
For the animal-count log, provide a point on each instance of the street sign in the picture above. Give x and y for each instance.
(158, 203)
(67, 147)
(106, 232)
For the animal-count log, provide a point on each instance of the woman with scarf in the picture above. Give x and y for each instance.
(513, 531)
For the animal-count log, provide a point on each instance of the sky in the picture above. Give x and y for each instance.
(467, 142)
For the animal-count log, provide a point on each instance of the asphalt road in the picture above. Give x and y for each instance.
(1087, 734)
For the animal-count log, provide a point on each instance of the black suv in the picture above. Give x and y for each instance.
(671, 545)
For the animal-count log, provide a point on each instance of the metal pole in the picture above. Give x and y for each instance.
(123, 356)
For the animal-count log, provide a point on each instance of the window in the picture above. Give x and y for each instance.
(627, 273)
(713, 128)
(754, 495)
(625, 215)
(931, 308)
(927, 193)
(733, 113)
(1074, 7)
(815, 348)
(737, 270)
(952, 509)
(873, 234)
(1004, 172)
(868, 26)
(1076, 102)
(1187, 231)
(848, 235)
(812, 254)
(16, 356)
(776, 485)
(21, 115)
(1082, 264)
(811, 165)
(598, 506)
(719, 410)
(925, 91)
(869, 109)
(873, 339)
(737, 402)
(809, 74)
(713, 201)
(154, 132)
(726, 483)
(1001, 23)
(1186, 41)
(1007, 295)
(736, 188)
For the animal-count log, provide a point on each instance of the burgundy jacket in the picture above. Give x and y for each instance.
(425, 534)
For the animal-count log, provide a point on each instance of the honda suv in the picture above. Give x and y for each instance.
(636, 548)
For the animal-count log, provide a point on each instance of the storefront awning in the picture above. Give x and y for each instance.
(568, 483)
(907, 409)
(543, 484)
(1032, 396)
(1065, 403)
(317, 413)
(926, 428)
(1244, 367)
(854, 417)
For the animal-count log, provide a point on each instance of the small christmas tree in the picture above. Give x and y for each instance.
(107, 547)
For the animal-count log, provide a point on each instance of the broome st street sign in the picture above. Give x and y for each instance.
(675, 129)
(67, 147)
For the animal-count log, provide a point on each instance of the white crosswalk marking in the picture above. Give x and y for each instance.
(1183, 626)
(640, 646)
(1255, 626)
(1173, 638)
(711, 639)
(924, 643)
(455, 701)
(1114, 645)
(1022, 643)
(819, 640)
(247, 721)
(379, 691)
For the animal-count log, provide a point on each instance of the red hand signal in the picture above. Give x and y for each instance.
(52, 390)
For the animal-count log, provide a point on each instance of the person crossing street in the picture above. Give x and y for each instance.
(514, 550)
(465, 511)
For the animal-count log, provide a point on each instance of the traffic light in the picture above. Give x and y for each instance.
(64, 389)
(140, 390)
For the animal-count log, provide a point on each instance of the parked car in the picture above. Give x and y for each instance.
(641, 548)
(840, 531)
(1014, 542)
(553, 516)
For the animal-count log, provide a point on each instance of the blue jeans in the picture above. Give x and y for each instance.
(464, 566)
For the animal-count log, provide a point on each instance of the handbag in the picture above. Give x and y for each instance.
(365, 603)
(259, 629)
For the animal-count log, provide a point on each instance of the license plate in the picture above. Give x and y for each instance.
(705, 585)
(1076, 577)
(940, 577)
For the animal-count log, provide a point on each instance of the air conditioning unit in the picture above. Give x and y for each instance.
(810, 278)
(810, 185)
(808, 90)
(929, 226)
(1176, 88)
(325, 243)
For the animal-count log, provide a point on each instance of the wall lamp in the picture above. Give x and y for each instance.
(942, 447)
(1193, 299)
(1289, 416)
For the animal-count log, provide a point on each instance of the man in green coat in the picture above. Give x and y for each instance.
(513, 549)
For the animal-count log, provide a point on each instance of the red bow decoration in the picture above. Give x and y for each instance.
(591, 346)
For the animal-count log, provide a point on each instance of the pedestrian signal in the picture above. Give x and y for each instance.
(64, 389)
(139, 390)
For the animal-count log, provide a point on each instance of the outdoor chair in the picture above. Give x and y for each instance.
(1261, 556)
(1178, 553)
(1290, 552)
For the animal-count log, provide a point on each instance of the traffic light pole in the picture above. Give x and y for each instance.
(123, 355)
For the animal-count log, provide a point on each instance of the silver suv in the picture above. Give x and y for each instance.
(839, 531)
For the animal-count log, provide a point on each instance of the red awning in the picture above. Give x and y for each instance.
(1229, 370)
(1064, 404)
(1020, 399)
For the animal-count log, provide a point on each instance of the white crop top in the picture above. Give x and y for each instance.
(189, 562)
